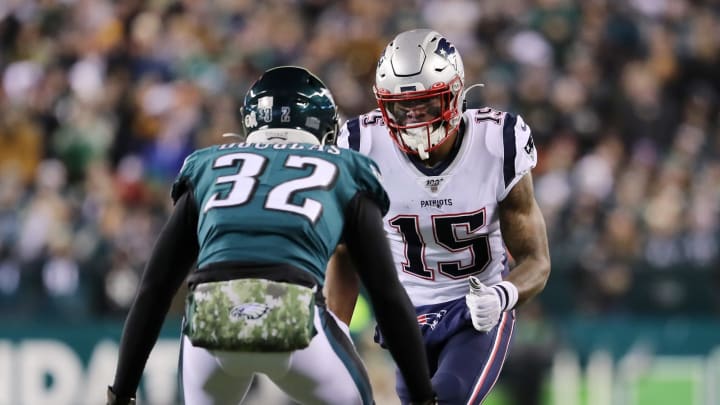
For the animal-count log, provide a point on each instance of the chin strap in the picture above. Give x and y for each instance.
(465, 92)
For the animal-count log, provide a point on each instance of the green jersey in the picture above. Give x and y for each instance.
(275, 203)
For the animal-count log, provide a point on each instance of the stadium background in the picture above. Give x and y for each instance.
(101, 100)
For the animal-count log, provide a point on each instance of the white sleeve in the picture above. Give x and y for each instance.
(519, 153)
(343, 140)
(351, 135)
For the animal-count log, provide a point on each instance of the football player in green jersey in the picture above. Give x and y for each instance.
(261, 218)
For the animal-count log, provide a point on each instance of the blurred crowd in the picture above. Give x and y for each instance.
(101, 100)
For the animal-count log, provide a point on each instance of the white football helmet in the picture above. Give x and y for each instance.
(419, 88)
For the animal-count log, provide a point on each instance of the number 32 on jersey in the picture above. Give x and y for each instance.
(245, 181)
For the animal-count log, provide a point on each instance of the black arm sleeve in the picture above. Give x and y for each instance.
(396, 318)
(173, 255)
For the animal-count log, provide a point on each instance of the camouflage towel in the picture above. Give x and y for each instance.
(255, 315)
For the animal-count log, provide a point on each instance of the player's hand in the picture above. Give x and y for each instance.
(486, 303)
(113, 399)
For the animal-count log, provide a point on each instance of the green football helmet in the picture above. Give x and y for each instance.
(289, 104)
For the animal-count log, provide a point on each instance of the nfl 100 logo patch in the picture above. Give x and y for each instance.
(433, 184)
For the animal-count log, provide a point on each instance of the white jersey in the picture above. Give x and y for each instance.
(443, 224)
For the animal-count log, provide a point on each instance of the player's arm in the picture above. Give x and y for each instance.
(525, 236)
(342, 284)
(395, 315)
(172, 257)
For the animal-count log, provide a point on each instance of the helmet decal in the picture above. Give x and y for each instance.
(251, 120)
(447, 51)
(284, 114)
(265, 105)
(444, 48)
(312, 122)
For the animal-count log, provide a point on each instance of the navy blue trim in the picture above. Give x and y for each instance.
(503, 294)
(506, 266)
(497, 362)
(509, 146)
(441, 166)
(353, 127)
(343, 347)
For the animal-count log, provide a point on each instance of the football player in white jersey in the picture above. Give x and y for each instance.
(461, 193)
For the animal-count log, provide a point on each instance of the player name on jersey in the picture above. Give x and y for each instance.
(332, 149)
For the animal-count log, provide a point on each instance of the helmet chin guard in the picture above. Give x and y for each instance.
(419, 88)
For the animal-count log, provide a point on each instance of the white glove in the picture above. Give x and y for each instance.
(486, 303)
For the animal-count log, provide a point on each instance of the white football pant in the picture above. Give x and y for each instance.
(328, 371)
